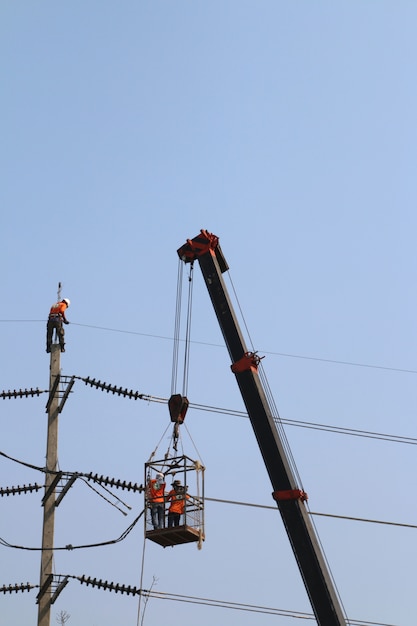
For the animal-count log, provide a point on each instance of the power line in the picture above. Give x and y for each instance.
(70, 547)
(253, 608)
(213, 409)
(216, 345)
(134, 487)
(161, 595)
(304, 424)
(313, 513)
(282, 354)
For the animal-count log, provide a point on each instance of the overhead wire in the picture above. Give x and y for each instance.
(313, 425)
(401, 370)
(252, 608)
(70, 547)
(234, 502)
(291, 422)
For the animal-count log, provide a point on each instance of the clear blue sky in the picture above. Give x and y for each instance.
(289, 130)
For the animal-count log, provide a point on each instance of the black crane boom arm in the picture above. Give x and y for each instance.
(290, 499)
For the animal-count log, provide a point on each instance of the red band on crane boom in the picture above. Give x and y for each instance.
(249, 361)
(290, 494)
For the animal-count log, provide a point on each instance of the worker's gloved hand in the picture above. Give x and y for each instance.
(66, 322)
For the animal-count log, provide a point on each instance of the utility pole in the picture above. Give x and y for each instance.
(46, 574)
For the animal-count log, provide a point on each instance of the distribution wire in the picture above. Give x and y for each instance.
(289, 355)
(213, 409)
(253, 608)
(161, 595)
(311, 425)
(70, 547)
(314, 513)
(128, 486)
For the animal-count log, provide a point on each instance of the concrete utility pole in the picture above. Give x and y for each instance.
(46, 574)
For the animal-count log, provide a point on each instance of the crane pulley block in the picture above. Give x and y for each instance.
(178, 406)
(196, 247)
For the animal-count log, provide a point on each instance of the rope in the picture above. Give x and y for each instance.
(195, 447)
(157, 445)
(141, 583)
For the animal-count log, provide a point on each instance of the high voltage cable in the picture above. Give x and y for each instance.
(70, 547)
(161, 595)
(284, 354)
(113, 483)
(246, 607)
(224, 604)
(312, 425)
(212, 409)
(216, 345)
(313, 513)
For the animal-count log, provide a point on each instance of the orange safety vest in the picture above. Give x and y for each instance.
(156, 494)
(58, 308)
(177, 501)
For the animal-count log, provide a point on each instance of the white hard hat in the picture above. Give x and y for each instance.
(67, 301)
(160, 475)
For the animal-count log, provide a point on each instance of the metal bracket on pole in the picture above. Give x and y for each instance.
(44, 587)
(66, 394)
(66, 487)
(53, 392)
(51, 487)
(58, 590)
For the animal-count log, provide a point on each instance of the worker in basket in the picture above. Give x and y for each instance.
(55, 322)
(156, 500)
(177, 498)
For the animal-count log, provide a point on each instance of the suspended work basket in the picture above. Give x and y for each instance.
(174, 504)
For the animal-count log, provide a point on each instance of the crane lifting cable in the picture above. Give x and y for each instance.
(178, 402)
(175, 515)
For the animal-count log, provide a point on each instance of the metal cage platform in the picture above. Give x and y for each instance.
(189, 526)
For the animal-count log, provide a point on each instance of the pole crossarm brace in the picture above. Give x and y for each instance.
(67, 391)
(66, 488)
(45, 587)
(60, 586)
(52, 392)
(68, 381)
(56, 587)
(52, 487)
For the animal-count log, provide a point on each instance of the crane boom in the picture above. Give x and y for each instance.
(290, 499)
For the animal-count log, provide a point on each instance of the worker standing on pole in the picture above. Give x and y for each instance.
(56, 320)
